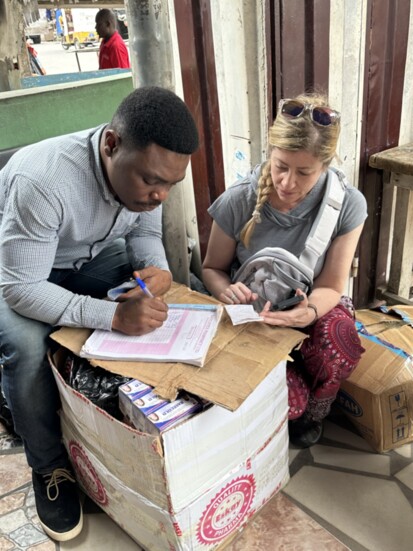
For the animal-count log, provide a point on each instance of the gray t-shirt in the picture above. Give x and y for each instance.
(288, 230)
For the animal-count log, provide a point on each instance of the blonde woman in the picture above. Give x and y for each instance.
(275, 206)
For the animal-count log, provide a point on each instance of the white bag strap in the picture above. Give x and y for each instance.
(326, 219)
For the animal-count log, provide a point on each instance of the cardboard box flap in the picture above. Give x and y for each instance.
(381, 369)
(392, 330)
(401, 311)
(239, 358)
(380, 318)
(372, 317)
(401, 339)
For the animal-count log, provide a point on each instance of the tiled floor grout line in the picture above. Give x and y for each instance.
(341, 536)
(21, 488)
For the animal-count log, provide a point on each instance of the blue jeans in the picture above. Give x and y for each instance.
(27, 378)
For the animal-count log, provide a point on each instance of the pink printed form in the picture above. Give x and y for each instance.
(157, 343)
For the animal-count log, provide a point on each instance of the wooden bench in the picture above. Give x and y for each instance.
(397, 164)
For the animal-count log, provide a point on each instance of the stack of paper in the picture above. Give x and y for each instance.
(184, 337)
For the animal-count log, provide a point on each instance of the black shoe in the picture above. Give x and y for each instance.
(304, 433)
(57, 504)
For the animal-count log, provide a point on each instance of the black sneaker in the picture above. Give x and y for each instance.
(57, 504)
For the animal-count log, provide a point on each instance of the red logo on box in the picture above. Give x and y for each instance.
(87, 474)
(226, 511)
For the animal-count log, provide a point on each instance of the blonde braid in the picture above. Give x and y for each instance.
(265, 187)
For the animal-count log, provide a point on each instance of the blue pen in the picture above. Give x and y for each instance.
(143, 286)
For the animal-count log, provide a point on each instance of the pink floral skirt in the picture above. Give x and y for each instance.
(327, 356)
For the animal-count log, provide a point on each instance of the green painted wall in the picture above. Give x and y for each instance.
(27, 116)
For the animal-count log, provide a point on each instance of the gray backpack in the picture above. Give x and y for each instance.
(274, 273)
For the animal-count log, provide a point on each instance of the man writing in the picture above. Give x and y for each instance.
(79, 214)
(113, 53)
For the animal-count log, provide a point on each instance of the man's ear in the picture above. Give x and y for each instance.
(112, 141)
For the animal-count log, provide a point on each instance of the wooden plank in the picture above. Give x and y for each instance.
(404, 181)
(392, 298)
(396, 159)
(402, 250)
(385, 231)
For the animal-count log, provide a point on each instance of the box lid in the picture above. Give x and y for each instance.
(239, 358)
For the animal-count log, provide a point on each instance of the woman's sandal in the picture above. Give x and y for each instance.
(304, 433)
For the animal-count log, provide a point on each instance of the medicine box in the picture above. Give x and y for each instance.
(192, 486)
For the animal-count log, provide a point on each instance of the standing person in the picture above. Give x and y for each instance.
(113, 53)
(35, 63)
(275, 206)
(65, 206)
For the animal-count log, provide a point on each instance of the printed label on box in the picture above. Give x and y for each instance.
(348, 403)
(129, 392)
(173, 412)
(226, 511)
(148, 403)
(87, 474)
(397, 400)
(134, 389)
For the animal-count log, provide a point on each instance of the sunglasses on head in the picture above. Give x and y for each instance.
(323, 116)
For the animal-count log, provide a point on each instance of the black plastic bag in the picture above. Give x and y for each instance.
(97, 384)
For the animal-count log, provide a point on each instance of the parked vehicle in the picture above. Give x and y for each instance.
(77, 27)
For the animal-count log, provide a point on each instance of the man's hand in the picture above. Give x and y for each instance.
(157, 281)
(138, 315)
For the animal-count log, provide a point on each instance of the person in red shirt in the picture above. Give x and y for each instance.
(113, 53)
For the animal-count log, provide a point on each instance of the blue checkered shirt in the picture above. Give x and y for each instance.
(56, 211)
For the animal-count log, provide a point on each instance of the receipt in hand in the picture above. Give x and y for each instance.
(242, 313)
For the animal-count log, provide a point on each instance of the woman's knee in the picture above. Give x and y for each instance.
(334, 345)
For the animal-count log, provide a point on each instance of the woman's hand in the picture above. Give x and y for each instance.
(299, 316)
(237, 293)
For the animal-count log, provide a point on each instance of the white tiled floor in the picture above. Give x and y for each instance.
(340, 487)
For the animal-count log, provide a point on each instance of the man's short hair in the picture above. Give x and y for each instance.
(156, 115)
(106, 15)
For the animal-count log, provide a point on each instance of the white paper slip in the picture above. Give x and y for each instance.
(242, 313)
(184, 337)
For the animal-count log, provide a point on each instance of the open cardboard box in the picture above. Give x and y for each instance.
(378, 396)
(237, 361)
(194, 485)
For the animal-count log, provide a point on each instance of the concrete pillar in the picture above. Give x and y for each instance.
(150, 43)
(14, 62)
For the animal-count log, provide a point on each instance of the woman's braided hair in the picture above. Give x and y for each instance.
(293, 134)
